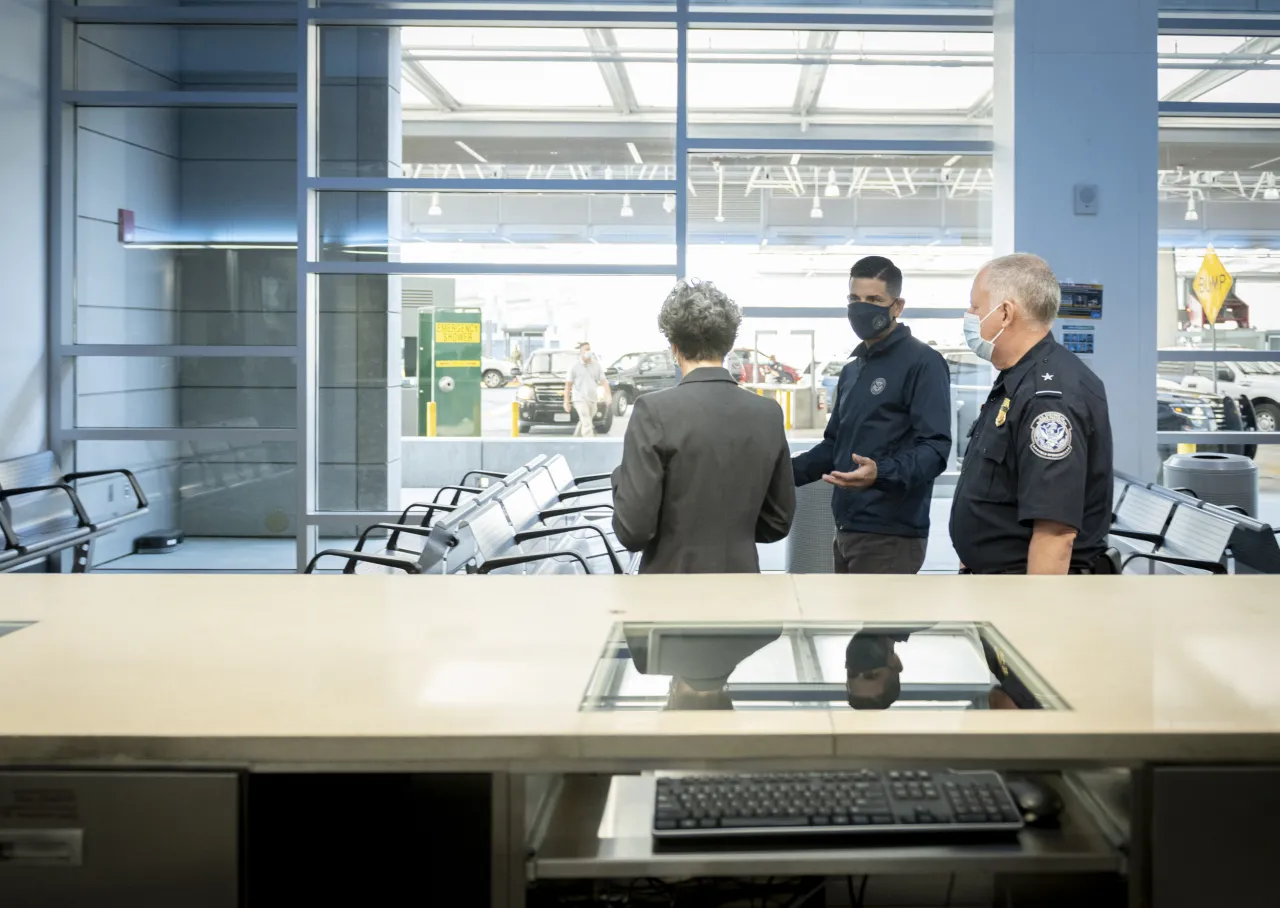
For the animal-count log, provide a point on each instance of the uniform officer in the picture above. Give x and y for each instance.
(1035, 491)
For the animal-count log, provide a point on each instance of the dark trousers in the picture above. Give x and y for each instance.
(874, 553)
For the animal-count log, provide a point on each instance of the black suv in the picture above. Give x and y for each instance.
(541, 393)
(636, 374)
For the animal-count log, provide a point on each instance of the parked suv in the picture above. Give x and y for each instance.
(637, 374)
(1260, 382)
(541, 393)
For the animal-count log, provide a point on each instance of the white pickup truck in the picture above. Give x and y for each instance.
(1260, 382)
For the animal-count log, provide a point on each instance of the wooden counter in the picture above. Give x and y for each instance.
(277, 672)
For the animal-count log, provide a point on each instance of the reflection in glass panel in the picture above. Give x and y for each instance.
(185, 58)
(185, 226)
(232, 488)
(495, 102)
(637, 228)
(936, 665)
(817, 77)
(190, 392)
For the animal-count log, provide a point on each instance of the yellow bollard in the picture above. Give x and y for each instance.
(760, 391)
(1186, 449)
(788, 410)
(431, 419)
(515, 419)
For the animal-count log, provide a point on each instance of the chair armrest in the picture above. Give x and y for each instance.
(1234, 509)
(133, 481)
(578, 493)
(1183, 491)
(560, 531)
(457, 493)
(490, 474)
(577, 509)
(10, 540)
(592, 477)
(396, 529)
(430, 508)
(1134, 534)
(81, 514)
(526, 559)
(1212, 567)
(403, 564)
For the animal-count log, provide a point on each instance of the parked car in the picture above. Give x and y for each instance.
(497, 373)
(828, 378)
(541, 394)
(636, 374)
(741, 364)
(1259, 382)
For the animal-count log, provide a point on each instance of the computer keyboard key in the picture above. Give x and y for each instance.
(664, 824)
(762, 822)
(971, 818)
(708, 823)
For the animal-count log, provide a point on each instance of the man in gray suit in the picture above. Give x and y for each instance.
(706, 472)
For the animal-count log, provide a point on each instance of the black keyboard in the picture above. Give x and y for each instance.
(860, 802)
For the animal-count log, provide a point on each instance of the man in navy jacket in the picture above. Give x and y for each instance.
(889, 434)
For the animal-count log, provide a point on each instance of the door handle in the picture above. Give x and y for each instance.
(41, 847)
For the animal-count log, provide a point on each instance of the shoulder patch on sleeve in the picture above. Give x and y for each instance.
(1051, 435)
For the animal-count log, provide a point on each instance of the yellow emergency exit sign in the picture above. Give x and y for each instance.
(457, 333)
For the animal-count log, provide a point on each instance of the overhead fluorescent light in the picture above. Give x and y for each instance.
(952, 161)
(471, 151)
(832, 191)
(626, 207)
(795, 159)
(635, 153)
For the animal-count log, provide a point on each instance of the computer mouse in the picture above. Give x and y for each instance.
(1037, 802)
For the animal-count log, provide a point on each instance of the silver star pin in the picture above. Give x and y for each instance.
(1048, 376)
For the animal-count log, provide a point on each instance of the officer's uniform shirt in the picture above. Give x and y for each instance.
(1039, 450)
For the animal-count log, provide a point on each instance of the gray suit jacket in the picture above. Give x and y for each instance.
(705, 475)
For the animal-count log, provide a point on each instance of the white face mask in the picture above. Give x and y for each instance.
(982, 348)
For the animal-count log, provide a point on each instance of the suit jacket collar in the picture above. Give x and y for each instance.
(708, 373)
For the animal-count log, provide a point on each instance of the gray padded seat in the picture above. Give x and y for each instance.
(1195, 543)
(1140, 520)
(538, 531)
(486, 532)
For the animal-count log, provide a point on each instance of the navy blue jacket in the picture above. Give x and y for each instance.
(893, 404)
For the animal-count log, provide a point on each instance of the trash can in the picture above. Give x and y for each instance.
(1222, 479)
(812, 531)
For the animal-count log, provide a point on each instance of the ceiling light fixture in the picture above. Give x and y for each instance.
(608, 173)
(1271, 194)
(832, 191)
(720, 198)
(635, 153)
(626, 207)
(816, 210)
(471, 151)
(668, 203)
(795, 159)
(1192, 214)
(952, 161)
(435, 211)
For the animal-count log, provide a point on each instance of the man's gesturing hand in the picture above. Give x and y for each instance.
(864, 477)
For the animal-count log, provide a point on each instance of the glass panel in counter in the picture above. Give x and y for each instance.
(825, 666)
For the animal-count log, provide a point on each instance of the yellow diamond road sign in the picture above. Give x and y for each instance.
(1212, 286)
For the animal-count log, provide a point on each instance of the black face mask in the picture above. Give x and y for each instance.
(868, 320)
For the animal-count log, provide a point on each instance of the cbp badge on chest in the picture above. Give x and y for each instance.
(1004, 412)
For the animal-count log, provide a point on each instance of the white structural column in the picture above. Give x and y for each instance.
(1076, 103)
